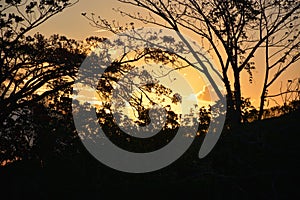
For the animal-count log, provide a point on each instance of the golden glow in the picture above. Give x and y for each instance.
(73, 25)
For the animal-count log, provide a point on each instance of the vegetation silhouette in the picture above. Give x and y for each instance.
(41, 154)
(232, 31)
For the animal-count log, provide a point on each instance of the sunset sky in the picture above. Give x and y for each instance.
(73, 25)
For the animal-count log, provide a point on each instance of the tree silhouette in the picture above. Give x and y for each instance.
(29, 65)
(140, 100)
(34, 72)
(232, 31)
(281, 46)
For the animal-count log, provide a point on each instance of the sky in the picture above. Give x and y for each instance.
(72, 24)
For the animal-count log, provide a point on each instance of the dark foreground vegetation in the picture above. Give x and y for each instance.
(260, 161)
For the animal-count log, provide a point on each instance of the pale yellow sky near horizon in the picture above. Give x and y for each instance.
(73, 25)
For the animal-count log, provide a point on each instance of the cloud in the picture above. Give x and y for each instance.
(100, 31)
(204, 93)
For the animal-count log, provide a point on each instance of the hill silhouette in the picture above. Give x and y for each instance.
(259, 161)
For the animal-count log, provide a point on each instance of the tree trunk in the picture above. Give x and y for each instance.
(263, 93)
(261, 106)
(229, 98)
(237, 99)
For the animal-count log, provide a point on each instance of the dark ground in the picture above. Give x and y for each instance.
(259, 162)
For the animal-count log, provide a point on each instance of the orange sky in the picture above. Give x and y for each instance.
(71, 24)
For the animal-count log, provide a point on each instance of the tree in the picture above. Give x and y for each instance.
(31, 68)
(233, 31)
(281, 46)
(289, 95)
(118, 85)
